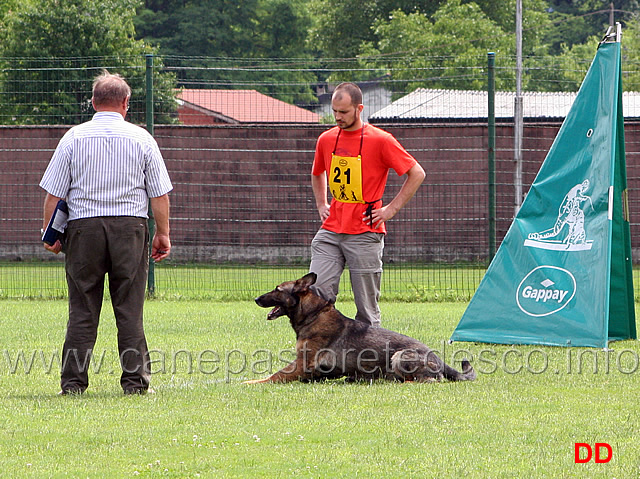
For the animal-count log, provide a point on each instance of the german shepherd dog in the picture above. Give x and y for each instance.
(330, 345)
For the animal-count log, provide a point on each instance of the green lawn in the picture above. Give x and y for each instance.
(521, 418)
(406, 282)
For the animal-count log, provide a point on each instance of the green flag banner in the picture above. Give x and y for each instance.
(563, 273)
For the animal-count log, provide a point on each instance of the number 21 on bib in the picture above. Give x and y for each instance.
(345, 179)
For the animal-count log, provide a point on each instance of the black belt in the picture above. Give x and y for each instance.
(369, 211)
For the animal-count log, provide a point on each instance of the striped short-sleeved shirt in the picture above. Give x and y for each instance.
(107, 167)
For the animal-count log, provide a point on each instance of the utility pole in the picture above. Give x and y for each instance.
(517, 112)
(611, 19)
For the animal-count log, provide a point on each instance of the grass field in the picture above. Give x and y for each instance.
(521, 418)
(46, 280)
(412, 283)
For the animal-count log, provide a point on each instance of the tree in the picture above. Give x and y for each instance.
(5, 7)
(445, 50)
(336, 37)
(535, 20)
(631, 55)
(341, 27)
(55, 48)
(259, 43)
(575, 60)
(575, 22)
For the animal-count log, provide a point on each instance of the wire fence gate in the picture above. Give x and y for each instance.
(238, 138)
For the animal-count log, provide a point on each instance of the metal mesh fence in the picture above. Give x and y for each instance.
(238, 139)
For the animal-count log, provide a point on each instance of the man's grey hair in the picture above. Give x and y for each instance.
(110, 89)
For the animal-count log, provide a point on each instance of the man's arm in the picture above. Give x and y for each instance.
(50, 203)
(319, 186)
(161, 244)
(414, 179)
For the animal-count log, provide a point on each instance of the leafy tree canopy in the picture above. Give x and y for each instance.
(574, 22)
(447, 48)
(283, 47)
(341, 27)
(57, 47)
(574, 60)
(263, 33)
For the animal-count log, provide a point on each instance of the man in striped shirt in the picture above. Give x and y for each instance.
(108, 170)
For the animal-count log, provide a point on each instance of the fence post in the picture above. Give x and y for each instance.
(491, 90)
(151, 277)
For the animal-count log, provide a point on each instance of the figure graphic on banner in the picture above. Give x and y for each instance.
(571, 215)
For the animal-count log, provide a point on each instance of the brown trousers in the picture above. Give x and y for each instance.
(116, 246)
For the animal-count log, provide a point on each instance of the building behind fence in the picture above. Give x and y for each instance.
(242, 199)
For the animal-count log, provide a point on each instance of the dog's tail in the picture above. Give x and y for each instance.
(467, 374)
(412, 365)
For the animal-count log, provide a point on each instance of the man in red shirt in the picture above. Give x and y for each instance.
(353, 159)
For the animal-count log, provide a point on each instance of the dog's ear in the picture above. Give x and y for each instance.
(303, 283)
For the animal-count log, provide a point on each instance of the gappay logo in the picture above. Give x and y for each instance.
(545, 290)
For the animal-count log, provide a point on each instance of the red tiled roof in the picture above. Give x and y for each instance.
(242, 106)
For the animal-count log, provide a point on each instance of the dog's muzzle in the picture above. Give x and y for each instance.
(281, 305)
(276, 313)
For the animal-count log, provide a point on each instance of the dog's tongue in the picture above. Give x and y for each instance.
(275, 313)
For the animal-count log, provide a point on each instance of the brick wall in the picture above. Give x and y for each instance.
(243, 193)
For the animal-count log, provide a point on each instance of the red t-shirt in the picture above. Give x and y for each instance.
(380, 152)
